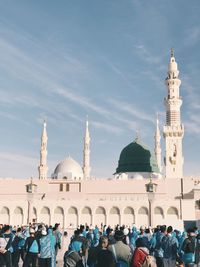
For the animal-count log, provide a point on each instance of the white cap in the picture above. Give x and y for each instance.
(126, 231)
(44, 232)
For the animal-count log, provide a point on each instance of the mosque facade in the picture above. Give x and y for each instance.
(141, 192)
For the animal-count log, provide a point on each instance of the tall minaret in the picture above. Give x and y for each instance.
(157, 149)
(43, 154)
(86, 153)
(173, 131)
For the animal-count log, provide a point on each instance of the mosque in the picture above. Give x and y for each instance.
(141, 192)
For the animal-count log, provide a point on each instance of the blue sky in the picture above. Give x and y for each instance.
(63, 60)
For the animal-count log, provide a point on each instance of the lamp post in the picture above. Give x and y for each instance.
(31, 188)
(151, 189)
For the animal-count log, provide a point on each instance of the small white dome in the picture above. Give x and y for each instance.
(68, 169)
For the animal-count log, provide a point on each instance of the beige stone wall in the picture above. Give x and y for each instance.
(95, 202)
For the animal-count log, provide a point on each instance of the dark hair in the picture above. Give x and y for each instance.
(163, 228)
(19, 229)
(6, 228)
(102, 240)
(190, 230)
(142, 242)
(119, 234)
(169, 229)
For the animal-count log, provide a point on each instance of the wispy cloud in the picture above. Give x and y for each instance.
(142, 51)
(132, 110)
(192, 36)
(108, 127)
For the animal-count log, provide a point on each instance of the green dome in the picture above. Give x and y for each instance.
(137, 158)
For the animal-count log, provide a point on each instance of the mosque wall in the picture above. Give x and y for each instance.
(96, 202)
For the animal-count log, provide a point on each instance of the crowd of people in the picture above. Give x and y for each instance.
(38, 245)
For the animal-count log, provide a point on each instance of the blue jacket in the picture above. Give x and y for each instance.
(45, 247)
(170, 247)
(158, 251)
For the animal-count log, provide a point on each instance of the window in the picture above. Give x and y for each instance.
(61, 187)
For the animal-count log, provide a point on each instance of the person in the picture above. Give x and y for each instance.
(6, 246)
(170, 248)
(121, 251)
(73, 257)
(17, 243)
(189, 248)
(104, 256)
(45, 250)
(32, 248)
(53, 243)
(158, 251)
(110, 235)
(133, 235)
(58, 236)
(140, 252)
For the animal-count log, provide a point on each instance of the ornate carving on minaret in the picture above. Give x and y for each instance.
(173, 130)
(86, 153)
(43, 169)
(157, 149)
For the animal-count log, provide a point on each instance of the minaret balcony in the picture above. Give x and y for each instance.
(173, 131)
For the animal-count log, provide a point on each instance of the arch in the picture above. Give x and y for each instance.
(128, 216)
(172, 211)
(114, 216)
(18, 210)
(72, 217)
(114, 210)
(45, 210)
(86, 216)
(59, 210)
(158, 216)
(72, 210)
(100, 216)
(143, 216)
(86, 210)
(143, 210)
(45, 215)
(172, 215)
(5, 215)
(158, 210)
(58, 216)
(5, 210)
(128, 210)
(100, 210)
(18, 216)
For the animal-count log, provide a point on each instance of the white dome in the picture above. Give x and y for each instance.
(68, 169)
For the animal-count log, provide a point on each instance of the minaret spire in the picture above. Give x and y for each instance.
(173, 130)
(86, 152)
(43, 154)
(157, 149)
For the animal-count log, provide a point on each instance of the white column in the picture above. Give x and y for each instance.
(86, 153)
(157, 149)
(43, 169)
